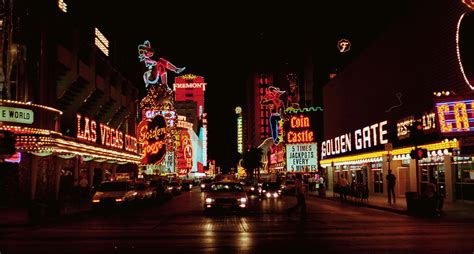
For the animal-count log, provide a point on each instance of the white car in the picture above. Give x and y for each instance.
(226, 195)
(114, 192)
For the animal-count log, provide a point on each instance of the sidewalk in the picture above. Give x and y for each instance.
(19, 216)
(452, 210)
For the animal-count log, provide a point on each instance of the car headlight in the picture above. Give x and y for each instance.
(243, 200)
(252, 188)
(209, 200)
(264, 191)
(269, 195)
(275, 195)
(190, 186)
(170, 188)
(203, 186)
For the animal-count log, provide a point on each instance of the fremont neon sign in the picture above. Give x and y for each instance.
(300, 130)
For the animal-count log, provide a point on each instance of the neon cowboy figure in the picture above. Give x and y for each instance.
(157, 70)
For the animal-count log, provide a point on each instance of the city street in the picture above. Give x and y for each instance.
(179, 226)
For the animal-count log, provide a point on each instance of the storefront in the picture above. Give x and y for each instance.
(50, 165)
(370, 168)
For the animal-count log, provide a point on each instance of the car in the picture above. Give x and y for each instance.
(114, 192)
(187, 184)
(176, 187)
(144, 192)
(206, 184)
(289, 186)
(249, 188)
(226, 195)
(270, 190)
(161, 188)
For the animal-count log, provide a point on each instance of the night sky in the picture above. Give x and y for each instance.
(222, 42)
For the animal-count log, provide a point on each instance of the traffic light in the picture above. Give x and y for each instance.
(419, 153)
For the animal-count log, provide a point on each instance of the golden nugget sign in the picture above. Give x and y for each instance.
(88, 130)
(300, 129)
(152, 134)
(364, 138)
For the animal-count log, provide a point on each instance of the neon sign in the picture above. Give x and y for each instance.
(344, 45)
(455, 116)
(468, 3)
(62, 6)
(275, 104)
(364, 138)
(300, 129)
(101, 42)
(240, 139)
(88, 130)
(152, 134)
(156, 70)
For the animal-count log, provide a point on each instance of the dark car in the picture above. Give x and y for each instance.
(161, 188)
(176, 187)
(289, 186)
(250, 189)
(187, 184)
(206, 184)
(270, 190)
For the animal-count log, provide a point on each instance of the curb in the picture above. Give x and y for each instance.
(398, 211)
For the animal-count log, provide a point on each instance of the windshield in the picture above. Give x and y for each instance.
(270, 186)
(113, 186)
(227, 187)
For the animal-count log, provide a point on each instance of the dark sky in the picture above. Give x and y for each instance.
(222, 41)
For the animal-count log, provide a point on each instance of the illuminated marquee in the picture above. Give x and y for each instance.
(364, 138)
(302, 157)
(101, 42)
(455, 116)
(300, 129)
(88, 130)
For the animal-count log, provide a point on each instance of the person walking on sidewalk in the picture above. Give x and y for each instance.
(343, 188)
(391, 187)
(301, 202)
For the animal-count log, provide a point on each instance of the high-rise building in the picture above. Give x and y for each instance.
(189, 101)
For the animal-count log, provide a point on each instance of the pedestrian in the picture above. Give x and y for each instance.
(322, 187)
(300, 199)
(391, 187)
(343, 188)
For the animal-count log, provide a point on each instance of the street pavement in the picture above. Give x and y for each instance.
(180, 226)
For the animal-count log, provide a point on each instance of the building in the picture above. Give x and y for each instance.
(189, 102)
(370, 106)
(72, 112)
